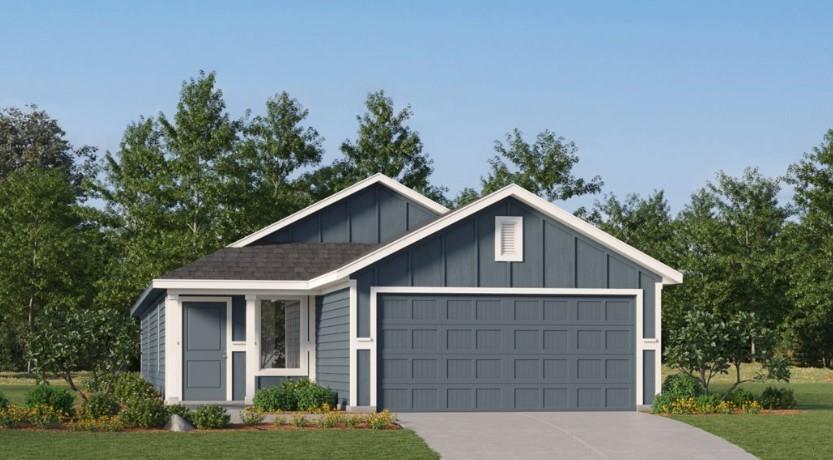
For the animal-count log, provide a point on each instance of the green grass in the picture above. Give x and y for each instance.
(248, 445)
(808, 434)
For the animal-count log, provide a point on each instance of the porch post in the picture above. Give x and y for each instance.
(252, 349)
(173, 348)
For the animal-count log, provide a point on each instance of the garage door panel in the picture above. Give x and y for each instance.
(506, 353)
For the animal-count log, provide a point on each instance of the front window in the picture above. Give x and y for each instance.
(280, 334)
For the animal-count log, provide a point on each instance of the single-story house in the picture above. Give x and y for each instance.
(394, 301)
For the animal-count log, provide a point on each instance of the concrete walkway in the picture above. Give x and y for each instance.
(568, 435)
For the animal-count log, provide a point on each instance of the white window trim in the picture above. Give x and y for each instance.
(306, 344)
(369, 343)
(518, 222)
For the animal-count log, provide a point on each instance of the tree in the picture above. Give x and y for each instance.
(544, 167)
(644, 223)
(32, 139)
(51, 255)
(385, 144)
(709, 344)
(730, 237)
(810, 325)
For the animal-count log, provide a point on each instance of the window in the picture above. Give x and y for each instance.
(509, 242)
(280, 334)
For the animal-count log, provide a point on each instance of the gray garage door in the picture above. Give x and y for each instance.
(505, 353)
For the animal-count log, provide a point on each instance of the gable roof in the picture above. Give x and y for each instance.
(284, 261)
(377, 178)
(668, 274)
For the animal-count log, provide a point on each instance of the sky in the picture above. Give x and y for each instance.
(657, 95)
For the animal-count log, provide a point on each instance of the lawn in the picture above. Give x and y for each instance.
(808, 434)
(308, 443)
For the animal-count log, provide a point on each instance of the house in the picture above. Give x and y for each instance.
(394, 301)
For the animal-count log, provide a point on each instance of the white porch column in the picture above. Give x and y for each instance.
(252, 348)
(173, 348)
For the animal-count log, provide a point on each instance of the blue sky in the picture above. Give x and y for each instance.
(657, 95)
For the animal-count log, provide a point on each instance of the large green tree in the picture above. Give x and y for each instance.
(544, 167)
(810, 324)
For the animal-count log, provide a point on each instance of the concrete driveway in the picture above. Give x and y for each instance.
(569, 435)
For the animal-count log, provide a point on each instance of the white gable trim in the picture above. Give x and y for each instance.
(669, 275)
(378, 178)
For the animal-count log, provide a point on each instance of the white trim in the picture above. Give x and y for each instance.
(378, 178)
(669, 275)
(173, 349)
(354, 310)
(252, 348)
(217, 299)
(518, 223)
(303, 361)
(220, 284)
(641, 343)
(312, 338)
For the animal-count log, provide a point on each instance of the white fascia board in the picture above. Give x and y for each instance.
(377, 178)
(215, 285)
(669, 275)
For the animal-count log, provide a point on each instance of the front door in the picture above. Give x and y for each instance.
(204, 351)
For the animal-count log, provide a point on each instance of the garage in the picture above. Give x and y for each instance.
(448, 352)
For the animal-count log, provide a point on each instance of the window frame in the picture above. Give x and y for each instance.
(518, 222)
(306, 345)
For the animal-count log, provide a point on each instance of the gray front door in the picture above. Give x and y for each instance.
(204, 351)
(505, 353)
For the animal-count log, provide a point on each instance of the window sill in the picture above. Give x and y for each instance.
(281, 373)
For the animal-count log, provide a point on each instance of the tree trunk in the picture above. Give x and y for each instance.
(29, 324)
(68, 378)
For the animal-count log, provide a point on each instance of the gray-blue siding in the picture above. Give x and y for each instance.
(463, 255)
(332, 328)
(376, 214)
(153, 345)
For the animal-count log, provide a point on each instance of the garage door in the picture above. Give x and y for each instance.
(505, 353)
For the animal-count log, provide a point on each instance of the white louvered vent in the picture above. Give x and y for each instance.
(509, 239)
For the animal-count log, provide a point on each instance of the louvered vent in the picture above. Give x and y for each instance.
(509, 238)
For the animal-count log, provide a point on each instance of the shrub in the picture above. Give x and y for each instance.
(4, 402)
(44, 416)
(145, 413)
(130, 386)
(13, 416)
(99, 382)
(682, 386)
(777, 398)
(252, 416)
(56, 398)
(182, 411)
(739, 397)
(211, 417)
(380, 420)
(105, 423)
(276, 398)
(280, 420)
(299, 420)
(354, 419)
(100, 405)
(311, 396)
(707, 403)
(331, 419)
(750, 407)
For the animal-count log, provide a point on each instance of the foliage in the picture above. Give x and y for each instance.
(777, 398)
(704, 404)
(182, 411)
(299, 420)
(280, 420)
(100, 405)
(311, 396)
(739, 397)
(4, 402)
(211, 417)
(44, 416)
(51, 396)
(105, 423)
(14, 416)
(145, 413)
(544, 167)
(293, 395)
(352, 420)
(252, 416)
(130, 386)
(331, 419)
(682, 386)
(381, 420)
(275, 398)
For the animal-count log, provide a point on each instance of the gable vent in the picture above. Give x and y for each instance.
(509, 239)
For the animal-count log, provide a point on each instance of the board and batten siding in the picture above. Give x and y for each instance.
(332, 329)
(374, 215)
(152, 345)
(462, 255)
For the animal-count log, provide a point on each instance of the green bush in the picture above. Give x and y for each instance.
(44, 416)
(4, 402)
(381, 420)
(58, 399)
(740, 397)
(777, 398)
(100, 405)
(211, 416)
(299, 421)
(145, 413)
(682, 386)
(252, 416)
(275, 398)
(99, 382)
(709, 403)
(311, 396)
(130, 386)
(103, 424)
(182, 411)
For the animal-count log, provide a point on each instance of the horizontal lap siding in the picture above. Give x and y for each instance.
(152, 346)
(462, 255)
(332, 317)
